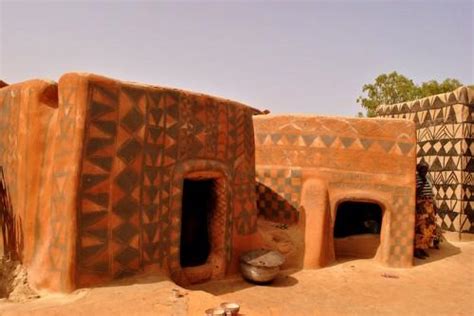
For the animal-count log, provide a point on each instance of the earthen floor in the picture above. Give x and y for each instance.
(441, 285)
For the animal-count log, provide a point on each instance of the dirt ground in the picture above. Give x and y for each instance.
(441, 285)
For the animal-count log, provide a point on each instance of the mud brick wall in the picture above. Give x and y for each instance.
(95, 168)
(444, 128)
(307, 165)
(39, 151)
(140, 141)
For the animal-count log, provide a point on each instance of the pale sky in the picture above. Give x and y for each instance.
(289, 57)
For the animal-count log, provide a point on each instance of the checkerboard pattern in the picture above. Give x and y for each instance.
(278, 194)
(402, 232)
(399, 215)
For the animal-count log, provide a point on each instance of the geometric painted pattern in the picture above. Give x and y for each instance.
(444, 126)
(332, 141)
(126, 189)
(338, 159)
(402, 219)
(220, 227)
(139, 144)
(278, 194)
(9, 121)
(241, 145)
(28, 142)
(278, 190)
(155, 194)
(62, 204)
(94, 244)
(40, 145)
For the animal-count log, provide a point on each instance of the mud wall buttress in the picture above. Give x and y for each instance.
(318, 232)
(39, 161)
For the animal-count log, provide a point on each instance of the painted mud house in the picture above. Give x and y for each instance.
(109, 178)
(444, 129)
(350, 181)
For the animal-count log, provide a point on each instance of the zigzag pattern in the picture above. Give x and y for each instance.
(126, 189)
(440, 132)
(443, 147)
(444, 163)
(61, 173)
(93, 250)
(334, 142)
(445, 178)
(245, 220)
(154, 193)
(139, 145)
(462, 95)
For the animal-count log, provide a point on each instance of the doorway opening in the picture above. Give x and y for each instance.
(357, 229)
(198, 205)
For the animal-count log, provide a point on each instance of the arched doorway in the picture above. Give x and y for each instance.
(357, 229)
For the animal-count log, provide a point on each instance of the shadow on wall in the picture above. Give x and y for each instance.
(11, 227)
(274, 207)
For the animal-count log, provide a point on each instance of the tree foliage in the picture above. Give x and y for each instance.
(394, 88)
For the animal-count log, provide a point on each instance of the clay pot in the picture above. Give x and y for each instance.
(231, 308)
(215, 312)
(261, 266)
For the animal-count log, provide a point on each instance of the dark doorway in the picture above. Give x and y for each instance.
(199, 201)
(357, 218)
(357, 230)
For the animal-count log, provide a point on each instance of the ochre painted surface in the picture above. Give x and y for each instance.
(95, 170)
(307, 165)
(95, 167)
(39, 150)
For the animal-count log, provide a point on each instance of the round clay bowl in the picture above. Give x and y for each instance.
(261, 266)
(232, 308)
(215, 312)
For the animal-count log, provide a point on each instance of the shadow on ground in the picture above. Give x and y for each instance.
(446, 250)
(236, 283)
(285, 279)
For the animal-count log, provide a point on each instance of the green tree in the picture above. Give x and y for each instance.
(433, 87)
(394, 88)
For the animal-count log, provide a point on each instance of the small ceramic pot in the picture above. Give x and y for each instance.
(261, 266)
(231, 308)
(215, 312)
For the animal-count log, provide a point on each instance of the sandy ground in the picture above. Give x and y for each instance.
(441, 285)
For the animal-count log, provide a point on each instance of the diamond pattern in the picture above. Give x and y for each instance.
(127, 180)
(125, 232)
(129, 151)
(96, 181)
(133, 146)
(133, 120)
(444, 133)
(144, 143)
